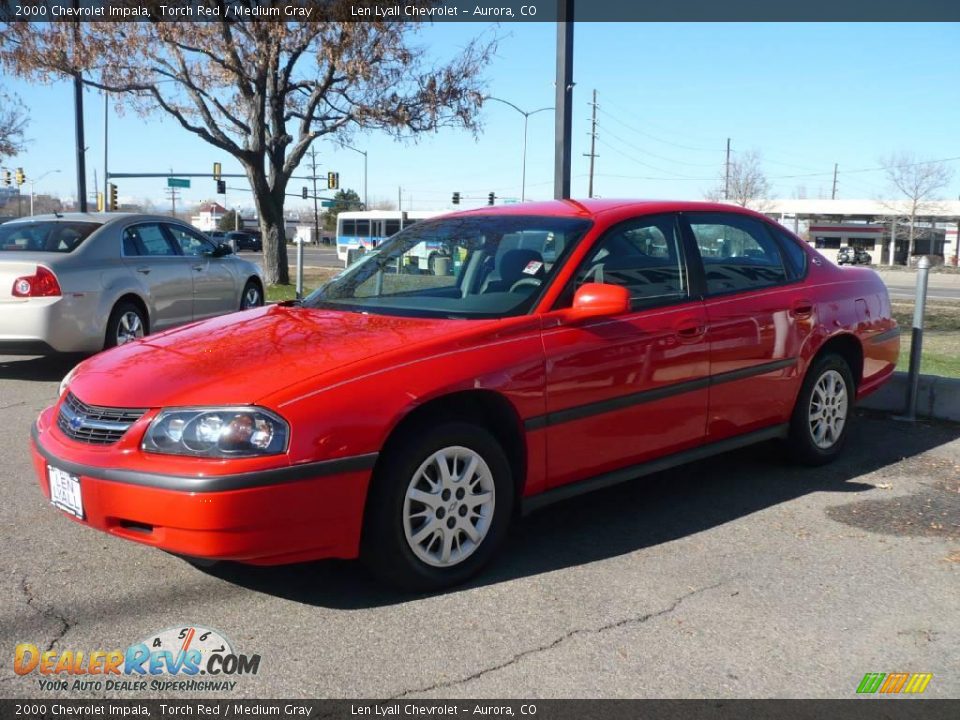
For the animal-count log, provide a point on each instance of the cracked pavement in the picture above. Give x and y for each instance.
(737, 577)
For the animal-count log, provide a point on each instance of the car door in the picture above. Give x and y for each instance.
(215, 289)
(162, 273)
(758, 317)
(626, 389)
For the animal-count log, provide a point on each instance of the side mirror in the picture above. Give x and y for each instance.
(222, 249)
(599, 300)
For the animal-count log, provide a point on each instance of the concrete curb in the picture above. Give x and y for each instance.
(938, 397)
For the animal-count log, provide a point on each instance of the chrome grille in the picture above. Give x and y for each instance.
(93, 424)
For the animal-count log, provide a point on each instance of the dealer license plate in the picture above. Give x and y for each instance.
(65, 491)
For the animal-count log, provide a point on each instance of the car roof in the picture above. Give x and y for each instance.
(98, 218)
(595, 207)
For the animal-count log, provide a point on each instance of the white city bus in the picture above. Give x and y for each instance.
(368, 228)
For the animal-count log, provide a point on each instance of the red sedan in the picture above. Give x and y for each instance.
(405, 414)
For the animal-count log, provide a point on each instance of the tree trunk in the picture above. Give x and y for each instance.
(913, 232)
(270, 211)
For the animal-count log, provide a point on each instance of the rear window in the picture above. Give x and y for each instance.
(59, 237)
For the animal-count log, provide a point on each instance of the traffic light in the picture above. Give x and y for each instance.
(305, 193)
(7, 179)
(216, 172)
(112, 204)
(333, 181)
(490, 198)
(221, 187)
(456, 198)
(21, 178)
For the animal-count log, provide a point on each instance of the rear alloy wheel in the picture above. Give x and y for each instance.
(823, 411)
(126, 324)
(252, 296)
(439, 507)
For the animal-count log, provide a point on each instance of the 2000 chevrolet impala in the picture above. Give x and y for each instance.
(405, 416)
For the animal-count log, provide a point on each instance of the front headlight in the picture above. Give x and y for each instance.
(217, 432)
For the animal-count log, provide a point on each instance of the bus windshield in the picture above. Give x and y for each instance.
(472, 266)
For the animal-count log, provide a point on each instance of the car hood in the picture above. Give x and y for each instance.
(240, 358)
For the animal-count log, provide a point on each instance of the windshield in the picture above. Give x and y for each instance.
(469, 266)
(44, 236)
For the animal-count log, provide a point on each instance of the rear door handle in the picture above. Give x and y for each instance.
(198, 268)
(144, 270)
(802, 309)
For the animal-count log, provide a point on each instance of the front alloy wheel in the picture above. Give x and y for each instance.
(252, 297)
(449, 506)
(439, 505)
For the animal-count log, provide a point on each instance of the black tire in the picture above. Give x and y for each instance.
(801, 442)
(122, 312)
(249, 290)
(385, 548)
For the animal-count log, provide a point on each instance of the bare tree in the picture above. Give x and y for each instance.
(13, 124)
(263, 91)
(745, 185)
(918, 181)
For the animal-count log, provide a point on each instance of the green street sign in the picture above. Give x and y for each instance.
(178, 182)
(326, 203)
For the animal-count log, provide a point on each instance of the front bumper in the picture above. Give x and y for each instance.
(290, 514)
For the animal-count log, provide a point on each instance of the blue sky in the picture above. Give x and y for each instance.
(804, 95)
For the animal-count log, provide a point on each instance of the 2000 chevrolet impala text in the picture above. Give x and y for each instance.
(406, 416)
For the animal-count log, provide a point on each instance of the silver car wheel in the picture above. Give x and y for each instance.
(251, 297)
(448, 507)
(129, 328)
(827, 413)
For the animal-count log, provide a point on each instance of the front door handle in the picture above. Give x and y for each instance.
(198, 268)
(143, 270)
(690, 329)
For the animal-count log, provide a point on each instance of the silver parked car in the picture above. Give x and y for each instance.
(81, 282)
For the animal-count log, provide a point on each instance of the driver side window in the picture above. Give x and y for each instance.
(643, 255)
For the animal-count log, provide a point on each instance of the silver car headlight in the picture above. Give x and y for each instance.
(217, 432)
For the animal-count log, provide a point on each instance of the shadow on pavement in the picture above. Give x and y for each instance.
(40, 369)
(623, 519)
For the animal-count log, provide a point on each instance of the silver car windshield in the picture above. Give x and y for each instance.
(470, 266)
(44, 236)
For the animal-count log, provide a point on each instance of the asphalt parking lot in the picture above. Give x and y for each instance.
(737, 577)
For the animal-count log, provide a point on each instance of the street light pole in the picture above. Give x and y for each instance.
(364, 153)
(523, 162)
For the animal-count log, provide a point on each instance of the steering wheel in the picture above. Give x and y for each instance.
(524, 282)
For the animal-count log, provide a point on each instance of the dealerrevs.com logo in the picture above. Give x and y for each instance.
(187, 659)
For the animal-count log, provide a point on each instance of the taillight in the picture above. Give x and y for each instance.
(42, 283)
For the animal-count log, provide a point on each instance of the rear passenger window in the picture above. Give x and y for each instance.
(642, 255)
(793, 252)
(738, 253)
(146, 240)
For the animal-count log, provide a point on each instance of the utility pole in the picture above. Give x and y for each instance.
(726, 179)
(833, 195)
(316, 211)
(593, 139)
(173, 200)
(399, 198)
(564, 97)
(78, 125)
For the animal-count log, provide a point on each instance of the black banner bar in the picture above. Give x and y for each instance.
(866, 708)
(480, 10)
